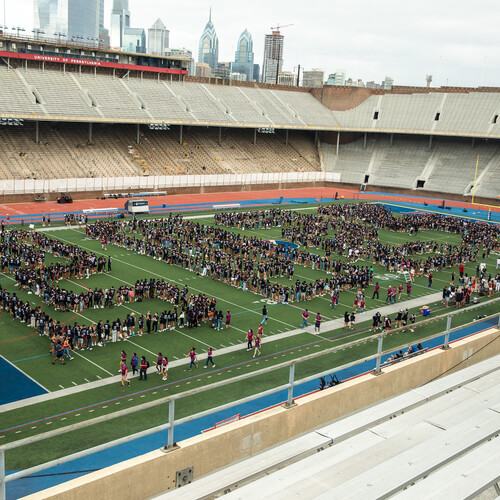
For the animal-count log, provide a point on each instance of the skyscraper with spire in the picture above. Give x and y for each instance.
(243, 58)
(208, 51)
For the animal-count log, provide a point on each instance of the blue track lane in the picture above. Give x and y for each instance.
(77, 468)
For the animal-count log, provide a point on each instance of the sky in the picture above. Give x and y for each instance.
(455, 41)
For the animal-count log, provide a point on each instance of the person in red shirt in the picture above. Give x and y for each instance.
(124, 371)
(317, 323)
(249, 340)
(192, 355)
(159, 362)
(228, 319)
(260, 331)
(257, 346)
(143, 368)
(461, 270)
(123, 360)
(305, 317)
(164, 368)
(210, 358)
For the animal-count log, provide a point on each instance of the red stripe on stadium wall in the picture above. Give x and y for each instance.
(87, 62)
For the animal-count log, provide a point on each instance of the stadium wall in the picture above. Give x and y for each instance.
(155, 472)
(343, 98)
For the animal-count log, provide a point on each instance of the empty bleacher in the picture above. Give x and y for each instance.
(447, 165)
(440, 440)
(64, 151)
(462, 114)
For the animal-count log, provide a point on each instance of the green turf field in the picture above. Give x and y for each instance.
(29, 352)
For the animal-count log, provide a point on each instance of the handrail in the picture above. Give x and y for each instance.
(170, 426)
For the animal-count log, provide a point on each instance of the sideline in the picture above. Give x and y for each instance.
(328, 326)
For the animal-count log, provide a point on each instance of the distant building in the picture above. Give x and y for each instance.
(158, 38)
(240, 77)
(208, 51)
(223, 70)
(313, 78)
(273, 56)
(243, 58)
(388, 83)
(183, 54)
(202, 70)
(73, 19)
(120, 19)
(286, 78)
(134, 40)
(256, 72)
(337, 78)
(104, 40)
(122, 35)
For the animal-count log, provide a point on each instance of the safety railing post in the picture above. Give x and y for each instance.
(447, 333)
(171, 417)
(2, 475)
(379, 353)
(291, 378)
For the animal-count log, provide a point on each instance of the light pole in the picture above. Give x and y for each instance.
(18, 29)
(38, 32)
(59, 35)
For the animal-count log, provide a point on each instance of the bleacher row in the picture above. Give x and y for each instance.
(93, 96)
(448, 165)
(440, 440)
(467, 114)
(64, 151)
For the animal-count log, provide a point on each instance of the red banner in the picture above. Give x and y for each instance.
(88, 62)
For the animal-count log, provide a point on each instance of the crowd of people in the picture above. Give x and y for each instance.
(350, 231)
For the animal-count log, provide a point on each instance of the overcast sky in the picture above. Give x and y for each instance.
(456, 41)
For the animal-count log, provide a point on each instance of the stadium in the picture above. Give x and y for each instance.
(240, 238)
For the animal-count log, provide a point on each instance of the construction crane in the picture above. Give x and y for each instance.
(277, 28)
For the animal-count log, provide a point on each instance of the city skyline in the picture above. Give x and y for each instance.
(456, 44)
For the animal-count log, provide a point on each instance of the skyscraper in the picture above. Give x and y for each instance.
(120, 19)
(73, 18)
(273, 57)
(122, 35)
(158, 40)
(243, 58)
(209, 45)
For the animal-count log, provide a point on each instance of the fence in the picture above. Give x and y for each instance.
(163, 182)
(170, 401)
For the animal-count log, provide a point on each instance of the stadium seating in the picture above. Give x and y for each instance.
(406, 446)
(447, 165)
(64, 151)
(95, 95)
(462, 114)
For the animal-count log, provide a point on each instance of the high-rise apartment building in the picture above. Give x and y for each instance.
(243, 58)
(273, 57)
(208, 51)
(313, 78)
(77, 19)
(337, 78)
(158, 38)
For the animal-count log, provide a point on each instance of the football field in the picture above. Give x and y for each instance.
(89, 385)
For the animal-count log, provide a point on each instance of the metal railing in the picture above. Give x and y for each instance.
(170, 400)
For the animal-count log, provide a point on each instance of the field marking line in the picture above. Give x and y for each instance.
(141, 347)
(90, 361)
(168, 279)
(25, 374)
